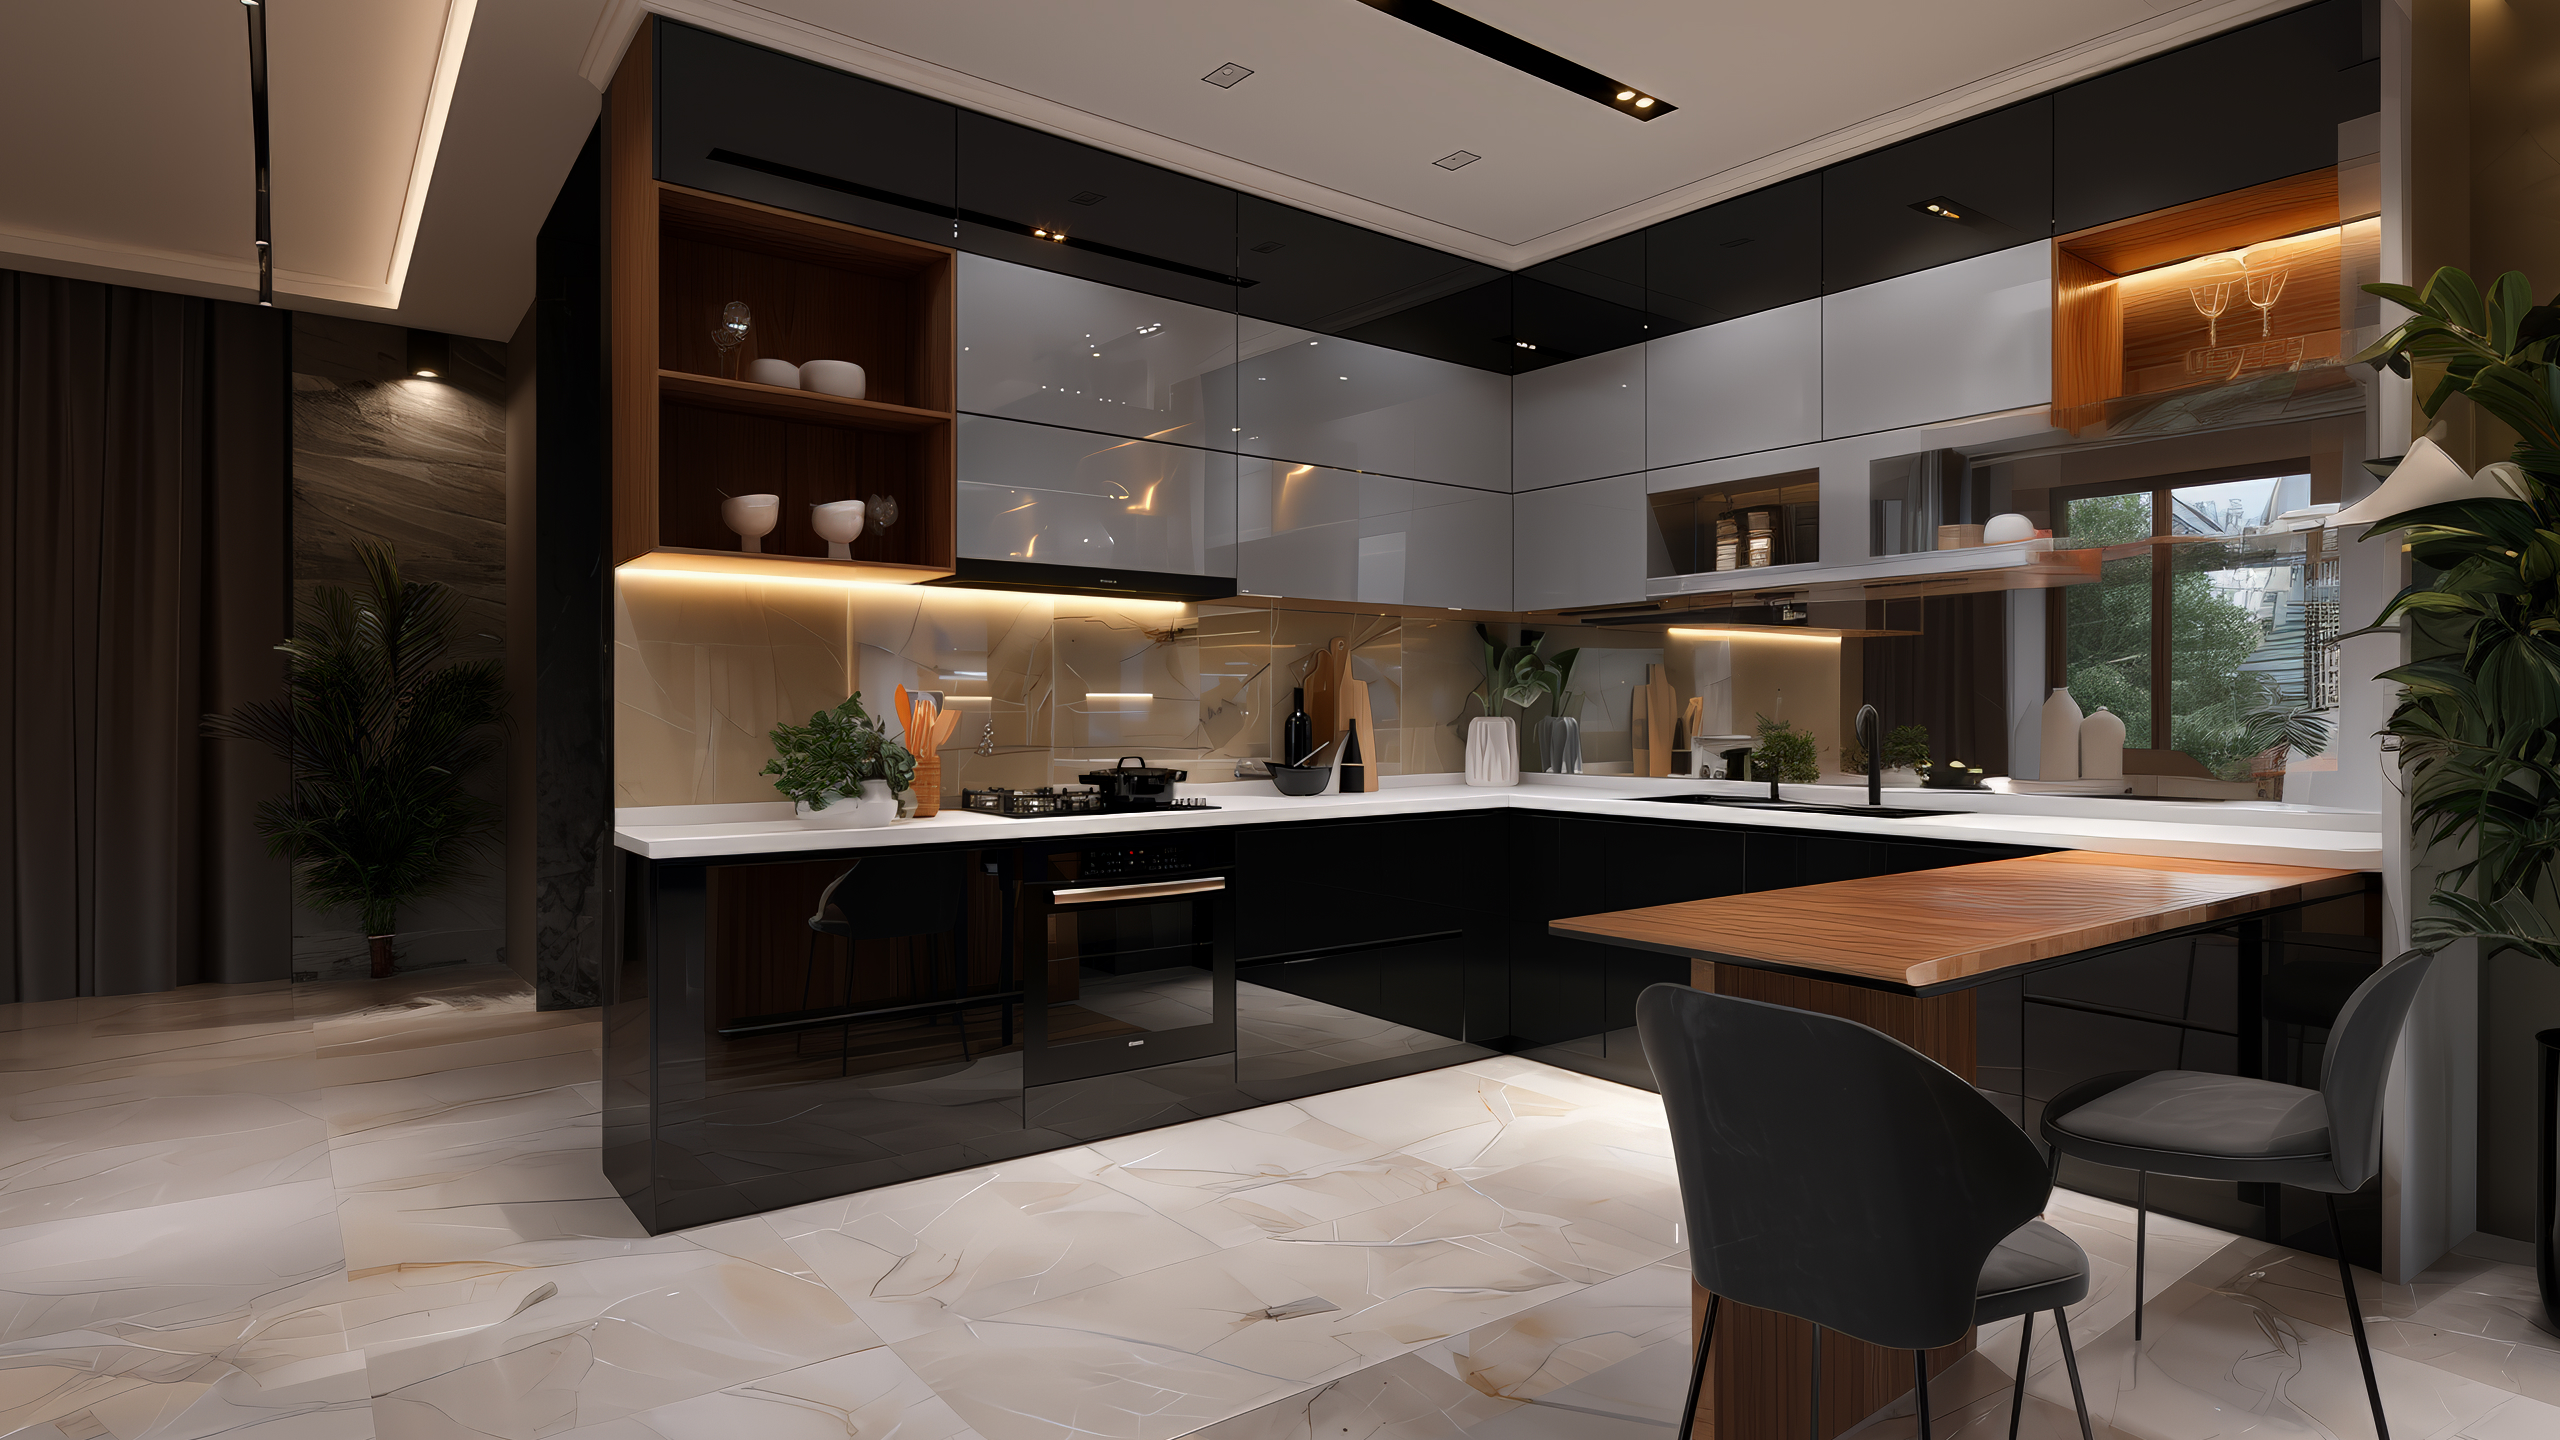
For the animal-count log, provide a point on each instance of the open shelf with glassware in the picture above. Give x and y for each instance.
(783, 385)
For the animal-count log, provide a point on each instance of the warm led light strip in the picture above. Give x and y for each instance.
(1692, 633)
(637, 572)
(1117, 695)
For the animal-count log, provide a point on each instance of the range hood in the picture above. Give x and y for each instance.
(977, 574)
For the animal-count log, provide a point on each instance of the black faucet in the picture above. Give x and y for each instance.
(1870, 732)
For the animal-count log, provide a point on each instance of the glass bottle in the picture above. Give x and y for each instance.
(1297, 733)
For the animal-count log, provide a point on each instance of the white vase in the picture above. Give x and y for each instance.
(751, 518)
(1560, 745)
(2102, 746)
(1493, 750)
(2059, 748)
(877, 805)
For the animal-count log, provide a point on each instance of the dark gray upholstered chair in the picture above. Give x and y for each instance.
(2230, 1127)
(886, 897)
(2307, 995)
(1830, 1172)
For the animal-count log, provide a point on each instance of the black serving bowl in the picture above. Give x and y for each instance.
(1301, 779)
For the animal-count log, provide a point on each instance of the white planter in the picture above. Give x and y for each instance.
(1493, 750)
(877, 805)
(1901, 779)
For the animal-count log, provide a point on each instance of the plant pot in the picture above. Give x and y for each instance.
(1560, 745)
(1493, 750)
(1902, 779)
(875, 806)
(383, 969)
(2546, 1175)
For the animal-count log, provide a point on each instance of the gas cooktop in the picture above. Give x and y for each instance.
(1049, 800)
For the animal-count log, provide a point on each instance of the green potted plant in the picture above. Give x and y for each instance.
(842, 769)
(1906, 754)
(1493, 738)
(2478, 718)
(380, 731)
(1785, 753)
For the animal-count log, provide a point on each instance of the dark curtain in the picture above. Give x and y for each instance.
(1952, 677)
(144, 510)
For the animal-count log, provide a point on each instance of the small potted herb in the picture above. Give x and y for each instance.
(1785, 753)
(1906, 754)
(842, 768)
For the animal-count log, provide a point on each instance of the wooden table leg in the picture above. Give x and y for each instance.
(1759, 1386)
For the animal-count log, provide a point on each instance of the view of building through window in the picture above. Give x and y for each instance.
(2231, 607)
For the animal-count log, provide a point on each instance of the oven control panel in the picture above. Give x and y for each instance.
(1153, 857)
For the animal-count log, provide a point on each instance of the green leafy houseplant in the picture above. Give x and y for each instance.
(380, 730)
(827, 759)
(1785, 753)
(1906, 747)
(2479, 726)
(1511, 672)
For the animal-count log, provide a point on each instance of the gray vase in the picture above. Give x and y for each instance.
(1560, 745)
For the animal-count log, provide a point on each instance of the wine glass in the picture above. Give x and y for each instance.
(2211, 291)
(2265, 285)
(730, 333)
(883, 510)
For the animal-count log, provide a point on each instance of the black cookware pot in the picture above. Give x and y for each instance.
(1134, 779)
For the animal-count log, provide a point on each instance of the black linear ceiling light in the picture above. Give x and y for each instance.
(1508, 49)
(258, 144)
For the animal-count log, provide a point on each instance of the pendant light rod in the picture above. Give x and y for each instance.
(258, 141)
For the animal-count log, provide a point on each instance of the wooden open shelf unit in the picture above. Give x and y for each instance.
(2125, 325)
(685, 433)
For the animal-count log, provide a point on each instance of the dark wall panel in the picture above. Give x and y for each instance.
(1999, 167)
(1749, 254)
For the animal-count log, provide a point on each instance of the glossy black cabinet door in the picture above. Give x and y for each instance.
(1752, 253)
(738, 120)
(1585, 303)
(1124, 222)
(2237, 110)
(1320, 274)
(1996, 168)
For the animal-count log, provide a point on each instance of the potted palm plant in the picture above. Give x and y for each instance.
(381, 730)
(2478, 719)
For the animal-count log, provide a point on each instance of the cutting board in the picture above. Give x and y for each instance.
(1651, 705)
(1353, 702)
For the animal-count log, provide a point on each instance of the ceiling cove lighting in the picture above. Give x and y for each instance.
(258, 146)
(1750, 632)
(1504, 48)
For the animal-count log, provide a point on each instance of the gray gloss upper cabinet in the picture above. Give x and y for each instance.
(1735, 387)
(1036, 345)
(1322, 400)
(1578, 420)
(1315, 533)
(1962, 339)
(1579, 544)
(1046, 495)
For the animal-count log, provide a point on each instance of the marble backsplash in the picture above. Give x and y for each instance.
(1046, 686)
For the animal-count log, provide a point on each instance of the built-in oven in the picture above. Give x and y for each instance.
(1126, 952)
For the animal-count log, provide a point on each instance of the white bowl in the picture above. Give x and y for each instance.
(839, 523)
(774, 372)
(2008, 529)
(833, 377)
(751, 518)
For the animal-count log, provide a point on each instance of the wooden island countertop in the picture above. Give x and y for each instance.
(1927, 931)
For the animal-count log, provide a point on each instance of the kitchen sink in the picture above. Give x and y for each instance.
(1801, 807)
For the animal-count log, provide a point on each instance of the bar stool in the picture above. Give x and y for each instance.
(896, 897)
(1830, 1172)
(2231, 1127)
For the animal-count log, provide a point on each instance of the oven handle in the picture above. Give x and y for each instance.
(1103, 894)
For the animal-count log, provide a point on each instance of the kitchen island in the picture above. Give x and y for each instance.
(1912, 954)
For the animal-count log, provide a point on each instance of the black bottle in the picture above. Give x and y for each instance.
(1297, 733)
(1355, 774)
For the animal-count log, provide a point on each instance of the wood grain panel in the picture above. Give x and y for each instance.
(2222, 222)
(1962, 922)
(2088, 338)
(631, 271)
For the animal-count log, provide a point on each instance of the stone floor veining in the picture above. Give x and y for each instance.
(332, 1212)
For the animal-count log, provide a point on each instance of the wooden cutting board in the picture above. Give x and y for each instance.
(1640, 728)
(1353, 700)
(1661, 699)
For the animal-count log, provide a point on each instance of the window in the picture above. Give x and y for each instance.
(2209, 605)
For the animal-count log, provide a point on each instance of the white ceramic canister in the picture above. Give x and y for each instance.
(2102, 746)
(841, 378)
(774, 372)
(1493, 750)
(2059, 748)
(2008, 529)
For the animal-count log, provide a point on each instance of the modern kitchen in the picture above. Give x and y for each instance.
(1122, 794)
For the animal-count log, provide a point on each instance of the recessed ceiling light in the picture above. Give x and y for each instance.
(1504, 48)
(1626, 94)
(1942, 207)
(1644, 102)
(1457, 160)
(1525, 345)
(1226, 76)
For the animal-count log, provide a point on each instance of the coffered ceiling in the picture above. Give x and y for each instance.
(1348, 107)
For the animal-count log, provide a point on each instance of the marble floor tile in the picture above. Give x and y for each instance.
(1028, 1382)
(1405, 1398)
(910, 1258)
(871, 1395)
(194, 1265)
(126, 1151)
(356, 1108)
(1617, 1347)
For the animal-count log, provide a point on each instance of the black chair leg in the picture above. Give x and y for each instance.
(1920, 1389)
(2141, 1243)
(2018, 1389)
(2071, 1362)
(1814, 1430)
(1698, 1370)
(2355, 1320)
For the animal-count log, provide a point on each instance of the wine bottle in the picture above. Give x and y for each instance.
(1355, 773)
(1297, 733)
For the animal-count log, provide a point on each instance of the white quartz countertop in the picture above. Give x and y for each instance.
(2271, 834)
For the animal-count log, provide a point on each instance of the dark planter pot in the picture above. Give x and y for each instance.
(380, 945)
(2546, 1180)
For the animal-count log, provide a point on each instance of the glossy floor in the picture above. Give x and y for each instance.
(357, 1210)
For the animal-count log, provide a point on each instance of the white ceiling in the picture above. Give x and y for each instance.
(1348, 107)
(418, 143)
